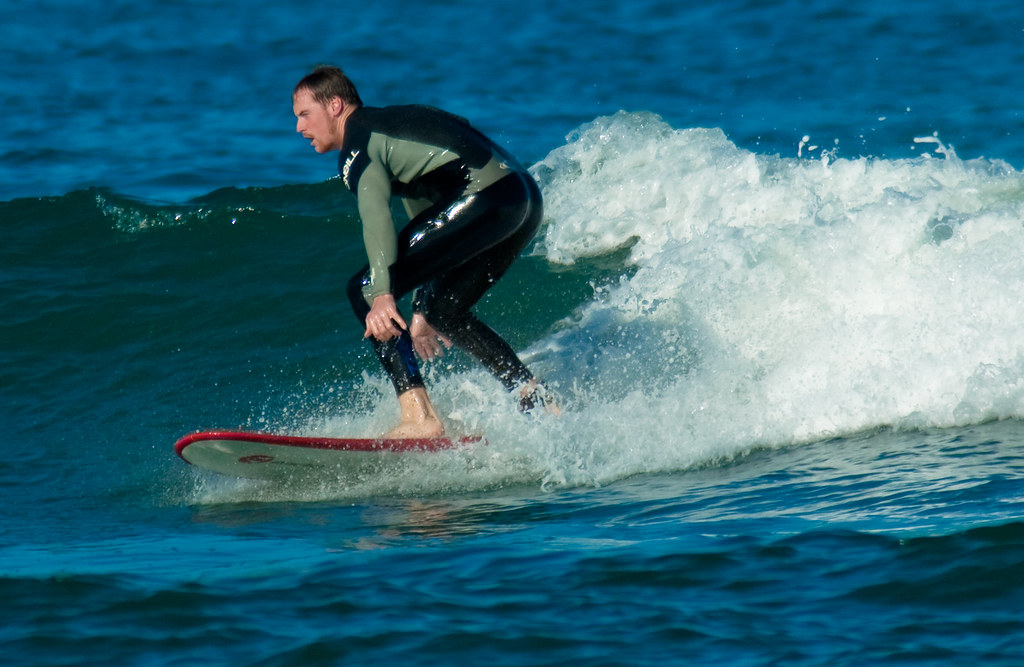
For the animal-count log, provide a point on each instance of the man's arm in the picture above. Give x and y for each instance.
(379, 235)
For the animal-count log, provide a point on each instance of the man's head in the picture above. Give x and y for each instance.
(327, 82)
(322, 101)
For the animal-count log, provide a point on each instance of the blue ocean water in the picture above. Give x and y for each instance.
(779, 288)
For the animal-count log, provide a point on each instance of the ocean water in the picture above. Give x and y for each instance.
(779, 289)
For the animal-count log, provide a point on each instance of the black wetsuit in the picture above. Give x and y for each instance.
(472, 210)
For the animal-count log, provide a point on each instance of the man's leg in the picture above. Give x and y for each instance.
(418, 418)
(446, 301)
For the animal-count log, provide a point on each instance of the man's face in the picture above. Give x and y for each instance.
(317, 122)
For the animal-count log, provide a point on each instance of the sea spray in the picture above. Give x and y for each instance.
(789, 300)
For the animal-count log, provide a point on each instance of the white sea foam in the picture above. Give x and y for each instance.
(779, 300)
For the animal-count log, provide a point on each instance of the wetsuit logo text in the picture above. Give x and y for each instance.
(349, 161)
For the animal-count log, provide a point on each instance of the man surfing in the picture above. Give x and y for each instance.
(472, 209)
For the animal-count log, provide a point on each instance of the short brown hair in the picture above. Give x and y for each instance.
(326, 82)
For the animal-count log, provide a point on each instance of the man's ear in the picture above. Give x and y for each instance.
(336, 106)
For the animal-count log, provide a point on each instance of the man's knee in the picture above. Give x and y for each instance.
(447, 318)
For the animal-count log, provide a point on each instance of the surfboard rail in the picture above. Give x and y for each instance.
(338, 444)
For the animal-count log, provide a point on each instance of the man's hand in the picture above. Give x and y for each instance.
(384, 321)
(426, 340)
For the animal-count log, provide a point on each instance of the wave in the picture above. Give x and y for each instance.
(777, 300)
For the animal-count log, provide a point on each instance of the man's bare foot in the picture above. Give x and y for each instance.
(416, 430)
(533, 395)
(418, 417)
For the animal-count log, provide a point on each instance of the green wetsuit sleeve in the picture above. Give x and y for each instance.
(379, 236)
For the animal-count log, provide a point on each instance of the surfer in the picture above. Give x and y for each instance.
(472, 209)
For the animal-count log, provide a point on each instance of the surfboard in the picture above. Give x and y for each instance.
(269, 456)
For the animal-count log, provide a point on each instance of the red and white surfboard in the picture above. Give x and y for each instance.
(268, 456)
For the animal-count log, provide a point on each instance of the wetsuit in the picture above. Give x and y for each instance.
(472, 209)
